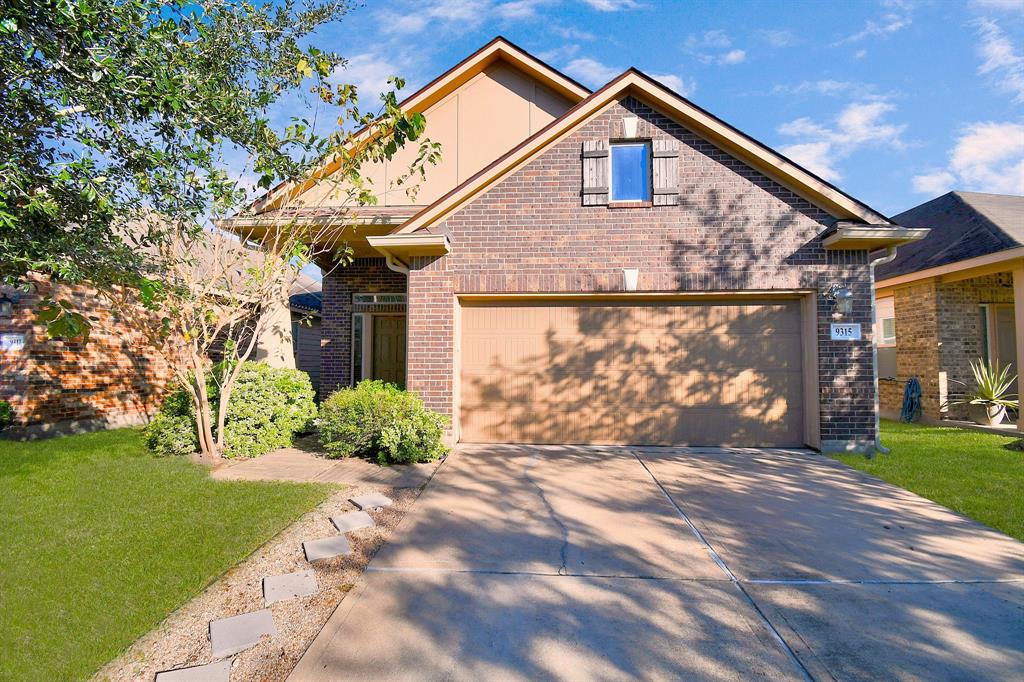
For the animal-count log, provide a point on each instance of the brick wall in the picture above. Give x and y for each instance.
(938, 331)
(362, 276)
(56, 385)
(734, 229)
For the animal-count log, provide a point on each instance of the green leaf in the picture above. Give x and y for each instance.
(8, 25)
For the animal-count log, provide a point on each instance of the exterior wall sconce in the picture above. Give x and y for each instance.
(629, 278)
(841, 298)
(7, 302)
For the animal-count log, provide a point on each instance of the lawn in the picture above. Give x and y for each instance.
(968, 471)
(101, 541)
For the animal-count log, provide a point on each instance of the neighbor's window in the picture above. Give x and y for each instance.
(631, 172)
(295, 337)
(885, 329)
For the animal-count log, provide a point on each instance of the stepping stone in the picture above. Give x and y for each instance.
(211, 672)
(326, 548)
(371, 500)
(350, 521)
(238, 633)
(281, 587)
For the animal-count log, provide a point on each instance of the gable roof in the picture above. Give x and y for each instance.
(498, 49)
(633, 82)
(963, 225)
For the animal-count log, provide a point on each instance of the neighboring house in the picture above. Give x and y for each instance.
(305, 304)
(952, 298)
(617, 266)
(58, 386)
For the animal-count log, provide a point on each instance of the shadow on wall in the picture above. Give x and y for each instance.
(651, 373)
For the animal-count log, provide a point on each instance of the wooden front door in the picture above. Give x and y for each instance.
(389, 349)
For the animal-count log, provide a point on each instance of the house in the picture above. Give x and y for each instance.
(61, 386)
(617, 266)
(952, 298)
(305, 304)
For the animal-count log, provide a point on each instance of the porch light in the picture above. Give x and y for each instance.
(7, 306)
(842, 299)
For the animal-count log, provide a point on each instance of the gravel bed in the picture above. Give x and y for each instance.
(181, 640)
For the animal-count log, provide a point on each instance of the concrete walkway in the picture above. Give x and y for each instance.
(622, 563)
(295, 464)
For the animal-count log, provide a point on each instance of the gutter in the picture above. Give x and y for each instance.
(890, 256)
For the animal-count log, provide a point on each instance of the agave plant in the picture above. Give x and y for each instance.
(992, 384)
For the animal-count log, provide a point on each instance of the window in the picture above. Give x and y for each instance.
(631, 172)
(986, 355)
(378, 299)
(885, 333)
(295, 337)
(357, 348)
(885, 312)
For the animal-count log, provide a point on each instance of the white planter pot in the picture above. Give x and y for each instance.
(987, 415)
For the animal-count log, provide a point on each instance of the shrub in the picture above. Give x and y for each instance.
(170, 434)
(268, 406)
(6, 414)
(380, 420)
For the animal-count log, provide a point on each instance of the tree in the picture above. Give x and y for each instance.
(119, 120)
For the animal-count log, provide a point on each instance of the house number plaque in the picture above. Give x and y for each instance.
(846, 332)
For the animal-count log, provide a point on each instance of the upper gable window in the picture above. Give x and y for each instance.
(630, 171)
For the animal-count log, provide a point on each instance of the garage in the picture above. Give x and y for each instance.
(679, 372)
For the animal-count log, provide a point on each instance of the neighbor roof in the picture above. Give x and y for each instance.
(651, 92)
(964, 225)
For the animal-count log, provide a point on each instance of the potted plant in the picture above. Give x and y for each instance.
(991, 396)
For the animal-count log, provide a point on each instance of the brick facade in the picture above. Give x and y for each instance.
(57, 386)
(361, 276)
(734, 229)
(938, 334)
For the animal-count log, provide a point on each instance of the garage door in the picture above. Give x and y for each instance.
(723, 373)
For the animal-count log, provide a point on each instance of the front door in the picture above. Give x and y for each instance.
(389, 349)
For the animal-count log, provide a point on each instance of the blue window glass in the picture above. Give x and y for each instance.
(630, 172)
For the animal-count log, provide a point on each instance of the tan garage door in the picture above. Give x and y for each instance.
(722, 373)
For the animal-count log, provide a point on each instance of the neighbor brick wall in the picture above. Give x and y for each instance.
(361, 276)
(938, 330)
(110, 381)
(734, 229)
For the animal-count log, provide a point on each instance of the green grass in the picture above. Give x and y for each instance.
(100, 541)
(968, 471)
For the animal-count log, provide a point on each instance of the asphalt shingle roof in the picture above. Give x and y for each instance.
(963, 225)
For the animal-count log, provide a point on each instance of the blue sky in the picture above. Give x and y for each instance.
(895, 101)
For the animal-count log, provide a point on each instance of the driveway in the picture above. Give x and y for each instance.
(527, 562)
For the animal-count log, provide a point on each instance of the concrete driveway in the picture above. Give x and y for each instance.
(527, 562)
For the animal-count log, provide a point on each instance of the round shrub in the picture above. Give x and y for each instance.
(6, 414)
(171, 434)
(268, 406)
(380, 420)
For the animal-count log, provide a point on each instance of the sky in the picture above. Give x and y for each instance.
(894, 101)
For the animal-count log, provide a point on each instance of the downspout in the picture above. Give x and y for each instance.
(890, 256)
(393, 263)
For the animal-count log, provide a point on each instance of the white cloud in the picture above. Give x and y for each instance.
(987, 157)
(732, 57)
(831, 88)
(860, 54)
(674, 82)
(519, 9)
(777, 37)
(369, 73)
(1002, 62)
(858, 125)
(460, 15)
(595, 74)
(612, 5)
(898, 16)
(713, 47)
(591, 72)
(1008, 5)
(935, 183)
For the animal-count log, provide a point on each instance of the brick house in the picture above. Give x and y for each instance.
(617, 266)
(951, 298)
